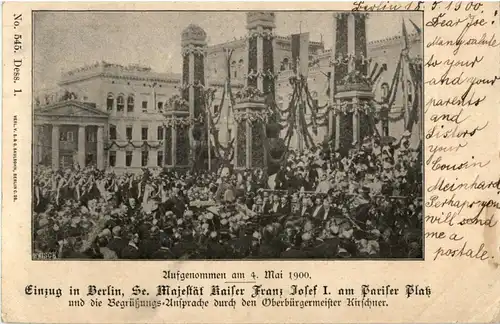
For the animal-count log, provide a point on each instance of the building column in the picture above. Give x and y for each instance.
(81, 146)
(260, 59)
(235, 145)
(100, 147)
(332, 83)
(337, 127)
(249, 144)
(331, 120)
(173, 129)
(355, 122)
(55, 147)
(351, 39)
(191, 96)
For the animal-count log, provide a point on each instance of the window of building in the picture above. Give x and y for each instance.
(160, 106)
(112, 158)
(229, 131)
(159, 158)
(216, 109)
(66, 137)
(285, 64)
(235, 73)
(112, 132)
(110, 102)
(385, 91)
(145, 106)
(120, 103)
(89, 159)
(91, 137)
(128, 158)
(144, 158)
(144, 133)
(160, 133)
(130, 104)
(128, 133)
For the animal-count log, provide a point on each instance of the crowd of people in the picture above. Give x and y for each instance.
(358, 203)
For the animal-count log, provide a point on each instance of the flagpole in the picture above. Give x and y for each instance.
(208, 141)
(405, 94)
(297, 107)
(403, 76)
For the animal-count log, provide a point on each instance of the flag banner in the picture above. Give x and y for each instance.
(300, 53)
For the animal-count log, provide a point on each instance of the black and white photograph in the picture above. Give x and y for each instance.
(227, 135)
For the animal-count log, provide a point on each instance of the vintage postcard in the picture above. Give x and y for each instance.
(251, 162)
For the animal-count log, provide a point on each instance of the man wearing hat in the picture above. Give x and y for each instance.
(164, 252)
(325, 213)
(131, 251)
(117, 243)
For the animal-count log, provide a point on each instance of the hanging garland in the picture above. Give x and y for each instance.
(265, 34)
(145, 144)
(176, 102)
(249, 93)
(183, 121)
(252, 116)
(192, 49)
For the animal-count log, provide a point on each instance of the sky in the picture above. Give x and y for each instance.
(67, 40)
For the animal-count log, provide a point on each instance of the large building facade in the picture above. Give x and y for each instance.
(113, 116)
(129, 101)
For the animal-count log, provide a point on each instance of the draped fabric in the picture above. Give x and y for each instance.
(241, 140)
(252, 61)
(182, 147)
(268, 65)
(185, 77)
(258, 150)
(346, 130)
(168, 145)
(360, 42)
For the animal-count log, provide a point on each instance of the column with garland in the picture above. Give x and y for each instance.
(351, 83)
(191, 137)
(250, 110)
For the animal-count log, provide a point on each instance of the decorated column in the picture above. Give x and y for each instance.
(55, 147)
(81, 146)
(250, 110)
(177, 127)
(250, 132)
(100, 147)
(193, 41)
(353, 90)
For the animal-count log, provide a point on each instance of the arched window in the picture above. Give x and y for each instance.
(110, 102)
(385, 91)
(130, 103)
(233, 68)
(120, 103)
(240, 66)
(285, 64)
